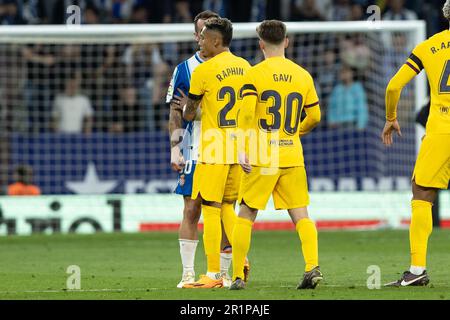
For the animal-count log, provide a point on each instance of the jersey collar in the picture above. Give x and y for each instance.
(197, 56)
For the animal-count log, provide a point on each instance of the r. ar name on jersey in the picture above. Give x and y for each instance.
(444, 45)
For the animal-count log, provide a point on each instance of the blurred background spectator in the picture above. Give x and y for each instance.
(23, 182)
(348, 103)
(72, 111)
(398, 11)
(11, 12)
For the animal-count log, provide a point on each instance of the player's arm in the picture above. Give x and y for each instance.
(248, 106)
(312, 110)
(196, 91)
(393, 92)
(312, 119)
(175, 123)
(192, 104)
(245, 120)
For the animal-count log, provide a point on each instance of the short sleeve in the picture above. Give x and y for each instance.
(415, 59)
(180, 80)
(197, 85)
(249, 85)
(312, 99)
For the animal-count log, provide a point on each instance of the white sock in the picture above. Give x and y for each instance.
(187, 253)
(213, 275)
(416, 270)
(225, 261)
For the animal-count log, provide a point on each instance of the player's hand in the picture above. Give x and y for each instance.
(389, 128)
(180, 100)
(245, 164)
(176, 159)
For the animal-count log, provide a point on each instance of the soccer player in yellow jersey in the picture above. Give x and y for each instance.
(216, 84)
(274, 94)
(432, 168)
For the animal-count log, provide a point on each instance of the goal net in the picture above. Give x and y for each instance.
(85, 106)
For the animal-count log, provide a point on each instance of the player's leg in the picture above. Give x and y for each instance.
(431, 172)
(230, 196)
(255, 190)
(209, 185)
(212, 237)
(242, 234)
(420, 230)
(188, 233)
(307, 232)
(188, 238)
(225, 257)
(228, 213)
(421, 225)
(291, 193)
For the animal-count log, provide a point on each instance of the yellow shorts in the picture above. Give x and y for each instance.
(216, 182)
(432, 167)
(288, 186)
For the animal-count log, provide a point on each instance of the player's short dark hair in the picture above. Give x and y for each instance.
(272, 31)
(223, 26)
(204, 15)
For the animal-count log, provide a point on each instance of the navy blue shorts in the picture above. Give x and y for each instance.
(186, 179)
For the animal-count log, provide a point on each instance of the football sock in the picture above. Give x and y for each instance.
(307, 232)
(242, 234)
(229, 217)
(416, 270)
(213, 275)
(225, 259)
(212, 236)
(187, 253)
(419, 231)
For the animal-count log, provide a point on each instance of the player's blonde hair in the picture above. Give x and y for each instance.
(446, 10)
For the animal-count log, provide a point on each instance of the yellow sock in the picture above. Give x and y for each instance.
(242, 234)
(212, 235)
(228, 219)
(419, 231)
(307, 232)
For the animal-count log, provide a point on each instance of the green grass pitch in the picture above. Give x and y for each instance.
(147, 266)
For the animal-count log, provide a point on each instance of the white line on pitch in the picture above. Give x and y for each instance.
(87, 290)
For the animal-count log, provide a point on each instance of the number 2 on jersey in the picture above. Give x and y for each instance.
(222, 116)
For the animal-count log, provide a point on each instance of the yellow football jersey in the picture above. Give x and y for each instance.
(283, 89)
(217, 83)
(433, 55)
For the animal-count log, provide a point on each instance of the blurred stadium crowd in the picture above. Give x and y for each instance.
(134, 78)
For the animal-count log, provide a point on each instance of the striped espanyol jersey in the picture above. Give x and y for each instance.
(181, 80)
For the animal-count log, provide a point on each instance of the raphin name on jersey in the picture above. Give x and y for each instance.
(181, 79)
(217, 82)
(433, 55)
